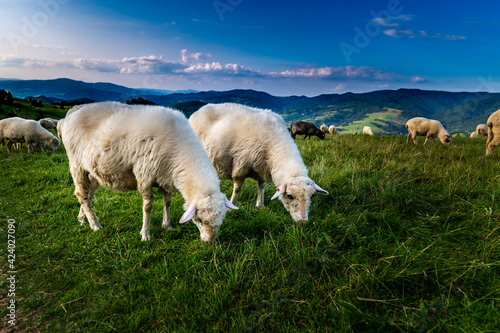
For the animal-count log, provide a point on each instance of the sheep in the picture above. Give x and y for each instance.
(482, 130)
(474, 134)
(18, 130)
(244, 142)
(429, 128)
(138, 147)
(367, 130)
(332, 129)
(306, 129)
(48, 124)
(323, 129)
(493, 124)
(54, 121)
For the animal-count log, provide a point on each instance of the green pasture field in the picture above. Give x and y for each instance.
(408, 240)
(377, 121)
(23, 109)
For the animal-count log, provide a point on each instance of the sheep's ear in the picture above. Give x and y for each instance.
(279, 190)
(319, 189)
(188, 214)
(230, 205)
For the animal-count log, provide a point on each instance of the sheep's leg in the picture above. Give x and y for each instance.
(492, 142)
(238, 183)
(426, 138)
(167, 198)
(85, 187)
(408, 138)
(91, 192)
(147, 205)
(9, 146)
(414, 137)
(260, 196)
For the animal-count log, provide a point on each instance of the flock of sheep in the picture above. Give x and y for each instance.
(139, 147)
(17, 131)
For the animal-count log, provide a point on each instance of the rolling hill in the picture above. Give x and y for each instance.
(386, 110)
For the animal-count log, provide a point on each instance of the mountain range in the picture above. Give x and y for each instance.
(385, 110)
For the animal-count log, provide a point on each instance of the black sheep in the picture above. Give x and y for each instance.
(306, 129)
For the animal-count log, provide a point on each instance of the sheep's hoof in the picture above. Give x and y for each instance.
(81, 219)
(259, 205)
(95, 226)
(167, 226)
(145, 236)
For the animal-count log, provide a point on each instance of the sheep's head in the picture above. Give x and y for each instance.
(446, 139)
(296, 194)
(207, 213)
(321, 135)
(54, 143)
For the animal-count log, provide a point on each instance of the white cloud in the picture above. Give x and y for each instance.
(417, 79)
(188, 57)
(394, 22)
(345, 72)
(384, 22)
(420, 34)
(391, 21)
(154, 68)
(135, 65)
(340, 87)
(399, 33)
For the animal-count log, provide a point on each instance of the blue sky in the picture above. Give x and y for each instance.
(282, 47)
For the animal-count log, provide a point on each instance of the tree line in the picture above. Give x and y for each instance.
(6, 98)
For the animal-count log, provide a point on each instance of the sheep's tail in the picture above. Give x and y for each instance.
(406, 125)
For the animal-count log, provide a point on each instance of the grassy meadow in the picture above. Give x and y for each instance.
(408, 240)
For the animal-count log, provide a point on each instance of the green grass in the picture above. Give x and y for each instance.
(406, 241)
(377, 121)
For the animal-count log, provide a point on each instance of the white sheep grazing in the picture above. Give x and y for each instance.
(429, 128)
(323, 129)
(493, 132)
(482, 130)
(248, 142)
(137, 147)
(18, 130)
(48, 124)
(367, 130)
(332, 129)
(474, 134)
(54, 121)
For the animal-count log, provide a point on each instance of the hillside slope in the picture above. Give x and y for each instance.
(458, 111)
